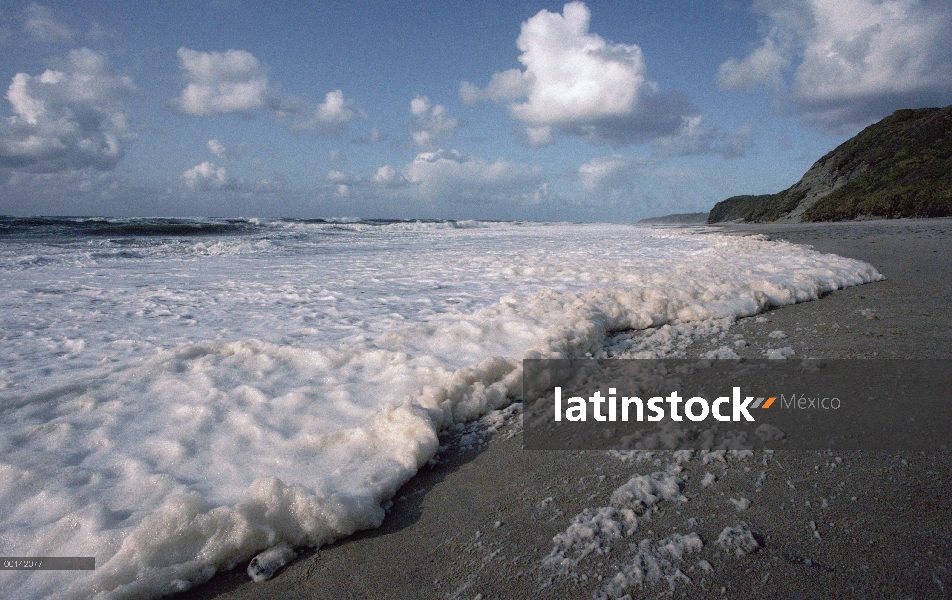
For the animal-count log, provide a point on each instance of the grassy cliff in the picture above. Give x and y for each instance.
(898, 167)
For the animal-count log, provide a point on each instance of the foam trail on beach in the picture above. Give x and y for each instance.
(177, 398)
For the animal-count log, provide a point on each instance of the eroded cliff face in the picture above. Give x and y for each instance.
(823, 178)
(899, 167)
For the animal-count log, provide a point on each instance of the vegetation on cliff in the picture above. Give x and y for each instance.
(898, 167)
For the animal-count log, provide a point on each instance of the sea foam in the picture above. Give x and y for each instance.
(175, 405)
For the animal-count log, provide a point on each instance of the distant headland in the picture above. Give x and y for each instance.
(698, 218)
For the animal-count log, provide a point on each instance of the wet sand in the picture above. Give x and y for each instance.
(479, 523)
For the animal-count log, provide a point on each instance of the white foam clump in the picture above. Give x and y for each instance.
(737, 540)
(722, 353)
(670, 340)
(741, 504)
(654, 562)
(595, 529)
(221, 404)
(779, 353)
(643, 492)
(266, 564)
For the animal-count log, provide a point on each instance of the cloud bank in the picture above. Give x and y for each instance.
(694, 138)
(842, 64)
(607, 170)
(577, 83)
(68, 118)
(449, 173)
(235, 82)
(444, 177)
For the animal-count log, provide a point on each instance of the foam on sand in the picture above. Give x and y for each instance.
(176, 410)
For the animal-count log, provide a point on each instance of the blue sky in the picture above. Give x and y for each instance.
(597, 111)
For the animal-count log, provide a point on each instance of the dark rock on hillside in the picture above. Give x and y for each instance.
(898, 167)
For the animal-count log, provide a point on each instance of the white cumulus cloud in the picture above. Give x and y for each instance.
(334, 114)
(578, 83)
(343, 182)
(761, 67)
(205, 176)
(846, 63)
(430, 122)
(222, 82)
(503, 86)
(385, 179)
(217, 148)
(68, 118)
(235, 82)
(388, 177)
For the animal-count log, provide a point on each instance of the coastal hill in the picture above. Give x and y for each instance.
(898, 167)
(677, 219)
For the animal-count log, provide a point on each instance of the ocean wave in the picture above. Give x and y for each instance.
(49, 227)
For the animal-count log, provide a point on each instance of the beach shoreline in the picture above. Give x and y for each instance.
(480, 522)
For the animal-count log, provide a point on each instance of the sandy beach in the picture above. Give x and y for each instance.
(481, 521)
